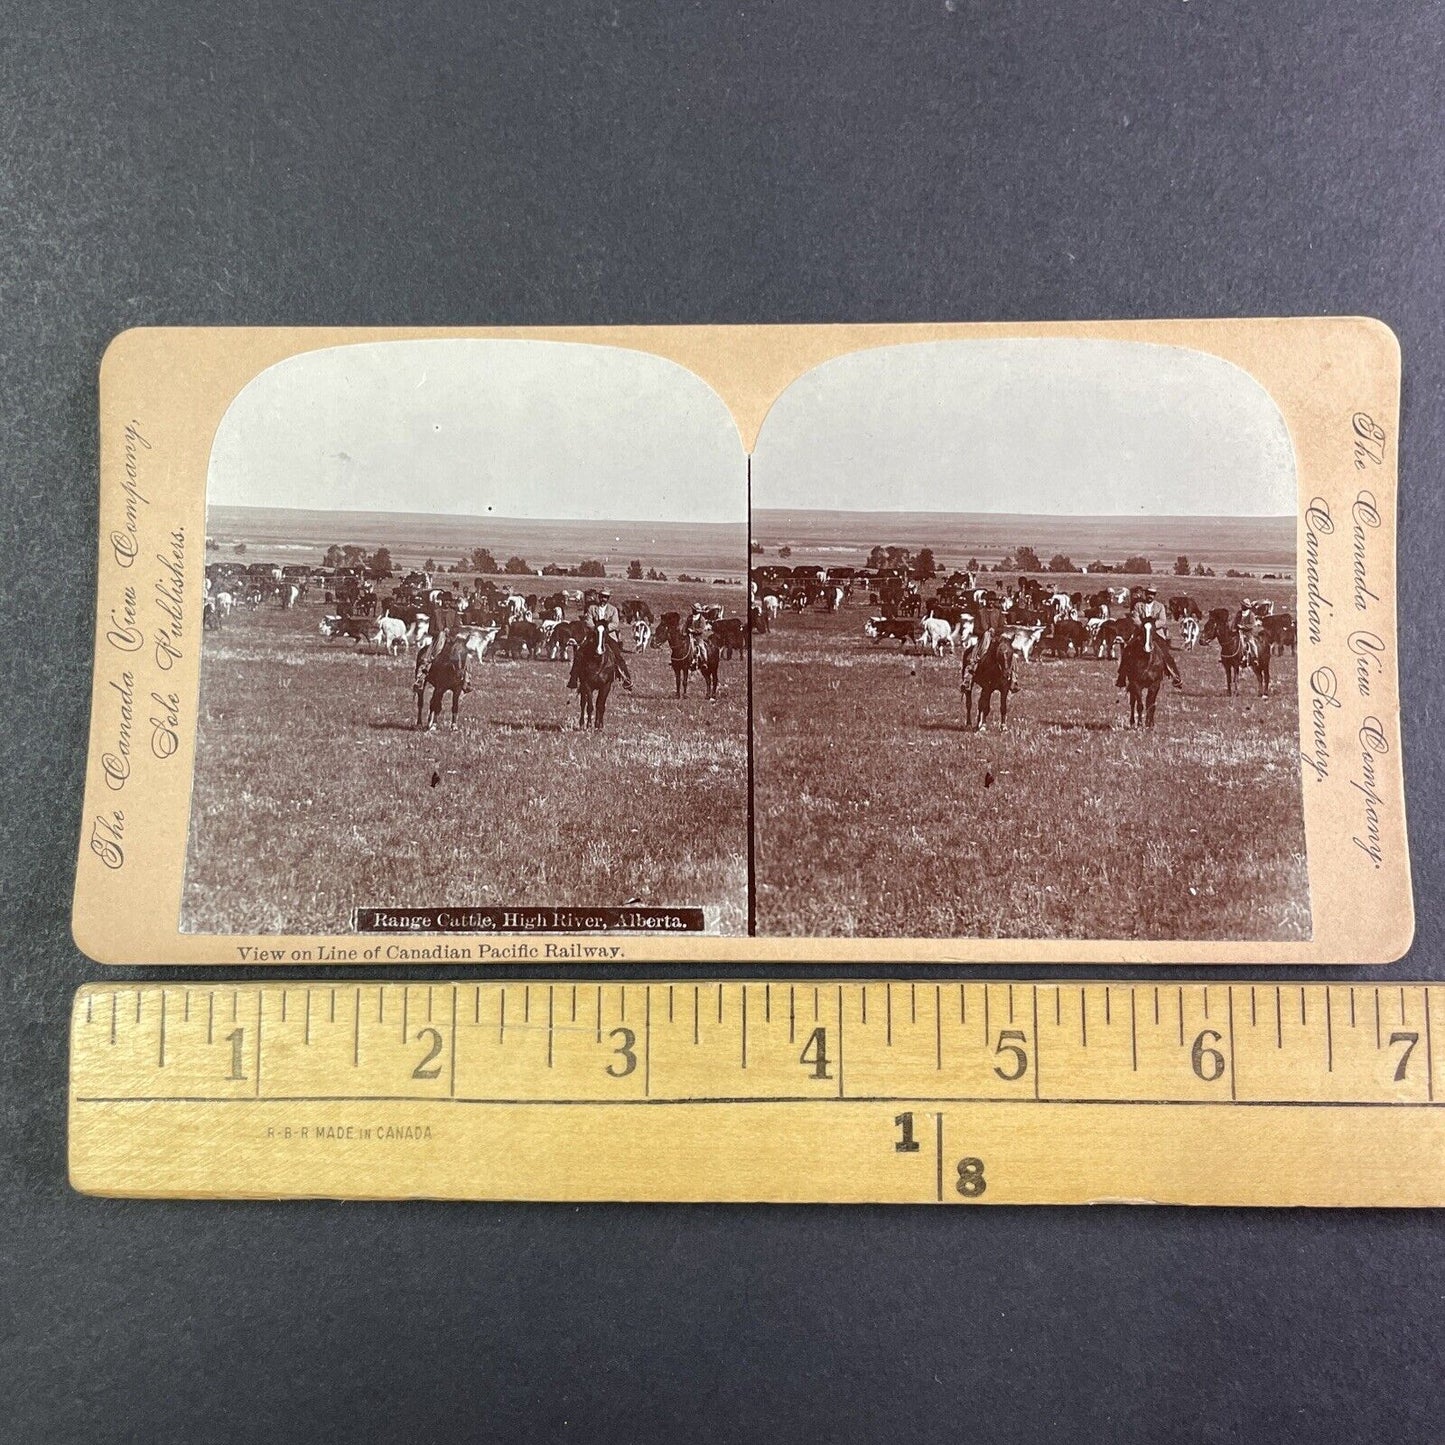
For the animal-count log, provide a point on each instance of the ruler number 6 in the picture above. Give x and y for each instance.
(1208, 1062)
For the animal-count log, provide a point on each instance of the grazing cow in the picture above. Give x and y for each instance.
(1067, 633)
(567, 635)
(901, 629)
(515, 606)
(1184, 606)
(479, 640)
(937, 636)
(1189, 631)
(1025, 638)
(224, 603)
(390, 633)
(731, 635)
(1114, 636)
(210, 615)
(1280, 631)
(520, 633)
(636, 610)
(641, 634)
(772, 605)
(354, 629)
(288, 594)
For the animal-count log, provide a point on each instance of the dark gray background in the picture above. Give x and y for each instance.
(565, 162)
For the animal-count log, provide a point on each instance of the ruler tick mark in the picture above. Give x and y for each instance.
(719, 1003)
(815, 1005)
(1429, 1049)
(284, 992)
(1253, 1009)
(210, 1019)
(549, 1026)
(937, 1026)
(913, 1003)
(1156, 1008)
(622, 1003)
(1302, 1019)
(137, 1005)
(1352, 1008)
(1233, 1076)
(962, 1005)
(1058, 1007)
(1083, 1018)
(1010, 1003)
(162, 1055)
(1402, 1005)
(428, 1003)
(356, 1032)
(986, 1027)
(1377, 1018)
(306, 1035)
(1035, 990)
(477, 1004)
(186, 1007)
(888, 1010)
(1108, 1004)
(1133, 1035)
(112, 1018)
(332, 1019)
(938, 1134)
(502, 1017)
(695, 1013)
(669, 1003)
(1278, 1021)
(405, 1004)
(1329, 1034)
(647, 1041)
(260, 1012)
(1206, 1002)
(1181, 1018)
(573, 1019)
(89, 1006)
(745, 1024)
(599, 1013)
(864, 1004)
(840, 1039)
(768, 1002)
(452, 1073)
(527, 1004)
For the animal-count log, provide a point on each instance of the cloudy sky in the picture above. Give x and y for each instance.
(1082, 428)
(531, 429)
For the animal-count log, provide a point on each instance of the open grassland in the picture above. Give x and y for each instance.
(313, 795)
(876, 815)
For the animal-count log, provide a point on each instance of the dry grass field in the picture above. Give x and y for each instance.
(313, 795)
(876, 815)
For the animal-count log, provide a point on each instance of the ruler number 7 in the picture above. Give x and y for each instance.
(1409, 1040)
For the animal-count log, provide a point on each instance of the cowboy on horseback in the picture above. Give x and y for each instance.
(601, 617)
(443, 620)
(1249, 625)
(1151, 618)
(987, 629)
(698, 629)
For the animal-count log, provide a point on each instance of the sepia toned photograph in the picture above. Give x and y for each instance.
(473, 652)
(1026, 648)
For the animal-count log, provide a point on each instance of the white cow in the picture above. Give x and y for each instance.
(774, 605)
(1024, 639)
(641, 634)
(479, 639)
(937, 635)
(224, 603)
(391, 635)
(516, 606)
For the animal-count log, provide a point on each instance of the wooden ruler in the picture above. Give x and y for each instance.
(904, 1092)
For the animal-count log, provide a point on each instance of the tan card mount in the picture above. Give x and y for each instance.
(833, 643)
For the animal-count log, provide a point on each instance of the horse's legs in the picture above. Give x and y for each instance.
(1003, 693)
(599, 710)
(420, 704)
(456, 703)
(1149, 706)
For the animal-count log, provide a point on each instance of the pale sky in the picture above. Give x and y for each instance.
(536, 429)
(1067, 427)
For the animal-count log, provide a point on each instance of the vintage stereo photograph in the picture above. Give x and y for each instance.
(1067, 642)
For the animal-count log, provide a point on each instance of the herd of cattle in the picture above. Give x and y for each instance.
(1038, 619)
(496, 621)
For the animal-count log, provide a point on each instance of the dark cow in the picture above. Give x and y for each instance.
(1280, 631)
(730, 635)
(1066, 634)
(1184, 606)
(354, 629)
(636, 610)
(517, 635)
(902, 629)
(1114, 636)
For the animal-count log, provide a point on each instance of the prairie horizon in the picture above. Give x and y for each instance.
(840, 536)
(304, 534)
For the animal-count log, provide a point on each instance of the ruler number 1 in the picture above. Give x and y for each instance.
(237, 1040)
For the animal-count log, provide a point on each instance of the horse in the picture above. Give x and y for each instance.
(691, 654)
(994, 674)
(596, 672)
(1236, 652)
(444, 674)
(1144, 672)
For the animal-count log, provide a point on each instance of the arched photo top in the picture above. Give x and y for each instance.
(532, 429)
(1038, 426)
